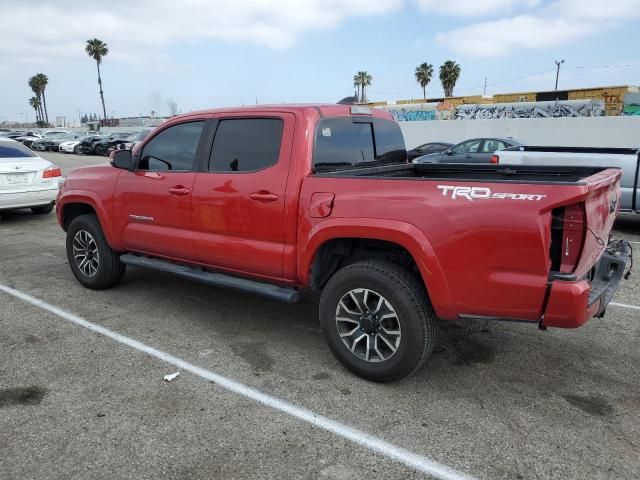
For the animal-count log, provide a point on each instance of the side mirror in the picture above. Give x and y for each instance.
(448, 152)
(121, 159)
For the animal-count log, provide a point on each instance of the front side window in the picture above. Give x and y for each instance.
(173, 149)
(467, 147)
(246, 144)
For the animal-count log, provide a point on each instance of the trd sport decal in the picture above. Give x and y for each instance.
(484, 193)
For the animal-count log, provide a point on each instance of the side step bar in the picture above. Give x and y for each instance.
(283, 294)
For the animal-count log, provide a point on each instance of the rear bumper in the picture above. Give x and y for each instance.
(28, 199)
(571, 304)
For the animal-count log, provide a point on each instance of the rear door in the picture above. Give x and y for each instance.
(239, 198)
(153, 203)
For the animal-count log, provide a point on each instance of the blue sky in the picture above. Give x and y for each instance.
(210, 53)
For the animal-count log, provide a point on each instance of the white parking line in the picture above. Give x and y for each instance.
(624, 305)
(410, 459)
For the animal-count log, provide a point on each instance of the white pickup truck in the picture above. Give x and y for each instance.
(628, 159)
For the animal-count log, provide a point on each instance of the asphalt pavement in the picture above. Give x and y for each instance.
(496, 400)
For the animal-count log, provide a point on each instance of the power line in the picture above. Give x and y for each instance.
(610, 66)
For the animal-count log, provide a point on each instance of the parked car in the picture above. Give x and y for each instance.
(105, 146)
(246, 198)
(52, 142)
(26, 180)
(628, 159)
(28, 138)
(87, 145)
(427, 148)
(72, 146)
(134, 139)
(476, 150)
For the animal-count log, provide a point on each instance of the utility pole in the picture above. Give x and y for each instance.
(558, 63)
(484, 94)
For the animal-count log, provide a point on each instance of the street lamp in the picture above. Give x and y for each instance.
(558, 63)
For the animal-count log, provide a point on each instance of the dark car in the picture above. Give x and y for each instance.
(105, 146)
(427, 148)
(87, 145)
(476, 150)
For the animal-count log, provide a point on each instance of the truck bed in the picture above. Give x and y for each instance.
(471, 173)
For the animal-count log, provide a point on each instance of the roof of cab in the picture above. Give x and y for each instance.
(326, 110)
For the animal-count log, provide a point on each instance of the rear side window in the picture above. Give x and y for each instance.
(174, 148)
(246, 144)
(347, 142)
(17, 150)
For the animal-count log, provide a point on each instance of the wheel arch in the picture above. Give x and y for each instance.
(74, 204)
(339, 242)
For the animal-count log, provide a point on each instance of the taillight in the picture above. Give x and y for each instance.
(568, 229)
(495, 159)
(51, 172)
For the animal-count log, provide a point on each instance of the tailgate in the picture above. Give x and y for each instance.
(601, 207)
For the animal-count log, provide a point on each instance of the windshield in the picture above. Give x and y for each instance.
(14, 150)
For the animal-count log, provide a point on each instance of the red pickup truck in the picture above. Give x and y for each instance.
(276, 199)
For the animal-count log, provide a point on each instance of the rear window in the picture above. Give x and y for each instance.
(17, 150)
(348, 142)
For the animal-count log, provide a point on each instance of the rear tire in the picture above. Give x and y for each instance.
(388, 299)
(92, 261)
(42, 209)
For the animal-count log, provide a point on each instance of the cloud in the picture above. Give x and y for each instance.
(59, 30)
(500, 37)
(555, 24)
(469, 8)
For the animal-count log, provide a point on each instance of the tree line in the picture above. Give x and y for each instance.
(449, 74)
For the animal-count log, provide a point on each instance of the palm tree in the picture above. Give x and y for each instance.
(366, 83)
(362, 80)
(97, 50)
(356, 83)
(35, 87)
(35, 104)
(449, 73)
(424, 72)
(42, 81)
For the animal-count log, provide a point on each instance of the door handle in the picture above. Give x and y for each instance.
(468, 156)
(179, 190)
(263, 196)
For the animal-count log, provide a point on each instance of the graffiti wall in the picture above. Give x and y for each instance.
(447, 111)
(631, 104)
(565, 108)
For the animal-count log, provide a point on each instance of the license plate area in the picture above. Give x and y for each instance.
(17, 178)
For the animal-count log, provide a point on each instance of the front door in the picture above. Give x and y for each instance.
(153, 203)
(239, 201)
(465, 152)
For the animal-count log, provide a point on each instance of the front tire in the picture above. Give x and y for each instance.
(76, 150)
(92, 261)
(377, 320)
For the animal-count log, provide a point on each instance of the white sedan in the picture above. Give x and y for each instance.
(26, 180)
(69, 146)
